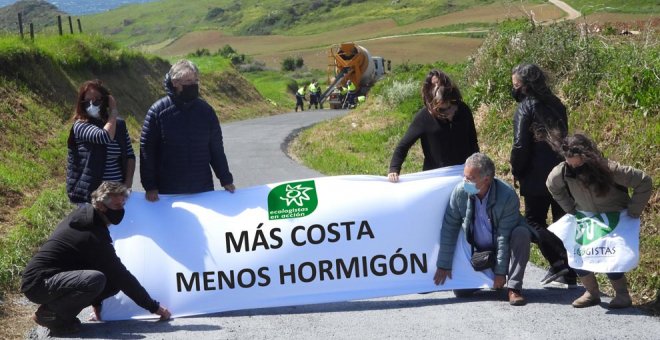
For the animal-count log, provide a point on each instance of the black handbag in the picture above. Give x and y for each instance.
(482, 260)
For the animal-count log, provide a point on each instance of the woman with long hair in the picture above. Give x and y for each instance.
(587, 181)
(444, 125)
(99, 147)
(539, 116)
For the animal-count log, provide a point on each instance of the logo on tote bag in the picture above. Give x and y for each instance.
(592, 228)
(292, 200)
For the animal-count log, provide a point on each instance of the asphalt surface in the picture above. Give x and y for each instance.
(254, 149)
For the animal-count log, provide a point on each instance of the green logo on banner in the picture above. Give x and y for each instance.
(292, 200)
(592, 228)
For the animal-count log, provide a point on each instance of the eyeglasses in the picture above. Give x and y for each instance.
(95, 102)
(571, 149)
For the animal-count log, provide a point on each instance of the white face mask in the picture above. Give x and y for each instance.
(93, 110)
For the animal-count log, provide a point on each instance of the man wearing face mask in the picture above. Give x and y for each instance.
(182, 140)
(78, 266)
(488, 211)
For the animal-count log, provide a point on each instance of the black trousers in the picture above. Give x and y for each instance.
(67, 293)
(536, 214)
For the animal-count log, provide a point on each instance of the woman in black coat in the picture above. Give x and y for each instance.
(539, 117)
(444, 125)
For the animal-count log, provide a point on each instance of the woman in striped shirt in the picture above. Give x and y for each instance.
(99, 147)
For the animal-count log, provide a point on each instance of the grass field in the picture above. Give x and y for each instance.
(313, 48)
(616, 6)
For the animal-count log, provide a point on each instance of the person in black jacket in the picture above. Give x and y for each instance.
(78, 266)
(99, 147)
(445, 126)
(182, 140)
(539, 117)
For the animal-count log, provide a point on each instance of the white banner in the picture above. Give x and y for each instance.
(311, 241)
(600, 243)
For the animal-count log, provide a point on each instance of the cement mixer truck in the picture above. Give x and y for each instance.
(349, 61)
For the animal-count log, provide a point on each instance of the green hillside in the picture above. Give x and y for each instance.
(39, 12)
(609, 83)
(155, 22)
(615, 6)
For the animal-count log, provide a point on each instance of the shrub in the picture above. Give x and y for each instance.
(288, 64)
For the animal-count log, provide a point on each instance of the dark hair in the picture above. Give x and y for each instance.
(446, 87)
(533, 81)
(596, 170)
(548, 127)
(80, 113)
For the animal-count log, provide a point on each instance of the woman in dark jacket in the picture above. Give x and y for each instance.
(99, 147)
(540, 115)
(445, 126)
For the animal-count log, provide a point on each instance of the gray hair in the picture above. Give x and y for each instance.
(482, 162)
(105, 190)
(182, 68)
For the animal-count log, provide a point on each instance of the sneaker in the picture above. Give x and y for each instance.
(56, 325)
(562, 282)
(553, 273)
(516, 298)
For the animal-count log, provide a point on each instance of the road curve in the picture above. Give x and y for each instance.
(570, 11)
(255, 155)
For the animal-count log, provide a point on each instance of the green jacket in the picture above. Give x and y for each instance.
(504, 212)
(572, 195)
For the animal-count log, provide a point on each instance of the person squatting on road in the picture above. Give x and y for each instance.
(300, 99)
(587, 181)
(99, 147)
(78, 266)
(488, 211)
(181, 137)
(445, 126)
(540, 115)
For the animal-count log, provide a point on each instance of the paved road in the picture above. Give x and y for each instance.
(254, 151)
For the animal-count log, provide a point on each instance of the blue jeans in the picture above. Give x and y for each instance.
(611, 276)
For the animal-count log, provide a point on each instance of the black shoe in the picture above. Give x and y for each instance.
(464, 293)
(553, 273)
(564, 282)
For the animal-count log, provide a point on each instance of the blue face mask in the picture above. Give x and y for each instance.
(470, 188)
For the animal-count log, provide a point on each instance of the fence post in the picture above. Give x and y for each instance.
(20, 24)
(70, 25)
(59, 23)
(79, 26)
(32, 31)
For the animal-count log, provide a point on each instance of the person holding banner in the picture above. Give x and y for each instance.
(445, 126)
(488, 211)
(587, 181)
(181, 140)
(539, 116)
(78, 266)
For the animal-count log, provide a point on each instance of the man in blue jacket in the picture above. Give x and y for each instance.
(182, 140)
(488, 211)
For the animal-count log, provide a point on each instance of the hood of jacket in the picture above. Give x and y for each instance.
(169, 87)
(86, 217)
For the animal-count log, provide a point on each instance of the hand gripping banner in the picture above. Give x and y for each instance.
(309, 241)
